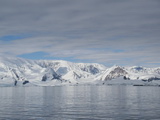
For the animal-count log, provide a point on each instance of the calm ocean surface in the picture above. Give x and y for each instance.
(80, 103)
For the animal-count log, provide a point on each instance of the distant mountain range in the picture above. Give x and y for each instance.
(18, 71)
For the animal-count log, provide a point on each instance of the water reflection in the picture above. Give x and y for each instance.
(80, 102)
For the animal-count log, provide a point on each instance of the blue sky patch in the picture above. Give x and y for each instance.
(43, 55)
(34, 55)
(8, 38)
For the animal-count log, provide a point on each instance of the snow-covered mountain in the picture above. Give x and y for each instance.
(131, 73)
(113, 72)
(18, 71)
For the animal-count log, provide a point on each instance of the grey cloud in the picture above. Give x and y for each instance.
(80, 28)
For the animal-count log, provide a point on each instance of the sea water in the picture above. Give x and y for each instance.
(89, 102)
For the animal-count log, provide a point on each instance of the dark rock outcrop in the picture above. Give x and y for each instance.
(117, 72)
(25, 82)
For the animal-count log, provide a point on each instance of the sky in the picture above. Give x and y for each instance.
(121, 32)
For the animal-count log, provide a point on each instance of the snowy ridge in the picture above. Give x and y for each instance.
(18, 71)
(132, 73)
(40, 72)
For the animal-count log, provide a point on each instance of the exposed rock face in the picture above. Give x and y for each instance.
(116, 72)
(91, 69)
(25, 82)
(151, 79)
(50, 75)
(15, 82)
(44, 78)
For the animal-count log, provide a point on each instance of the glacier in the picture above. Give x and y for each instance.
(24, 72)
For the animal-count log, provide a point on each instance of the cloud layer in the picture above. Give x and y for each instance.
(106, 31)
